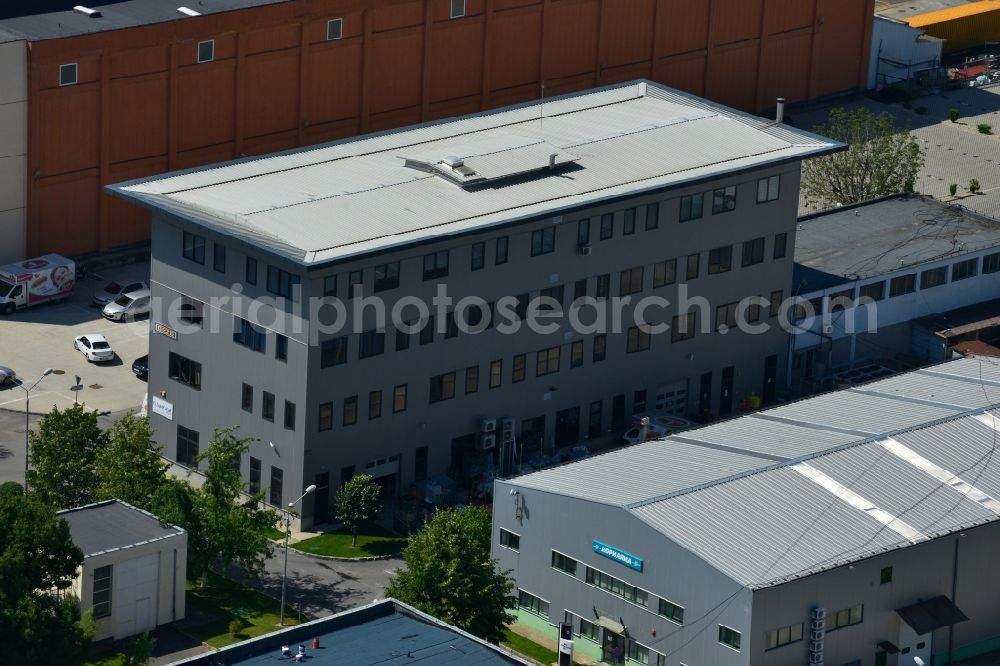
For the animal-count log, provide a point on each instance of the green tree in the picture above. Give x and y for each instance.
(129, 467)
(39, 624)
(138, 650)
(357, 503)
(62, 457)
(449, 574)
(881, 159)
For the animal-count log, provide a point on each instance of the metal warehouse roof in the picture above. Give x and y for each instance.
(834, 478)
(113, 525)
(359, 195)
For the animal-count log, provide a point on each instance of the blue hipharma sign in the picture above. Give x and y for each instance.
(617, 555)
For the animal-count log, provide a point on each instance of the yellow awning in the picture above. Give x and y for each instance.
(952, 13)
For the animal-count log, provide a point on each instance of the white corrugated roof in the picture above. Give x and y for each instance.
(355, 196)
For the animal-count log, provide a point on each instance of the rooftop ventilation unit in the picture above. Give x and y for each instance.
(188, 11)
(492, 160)
(87, 11)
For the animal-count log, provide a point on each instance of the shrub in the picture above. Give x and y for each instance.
(973, 185)
(235, 627)
(953, 115)
(920, 110)
(984, 128)
(953, 188)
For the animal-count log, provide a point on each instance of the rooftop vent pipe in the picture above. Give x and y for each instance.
(780, 115)
(87, 11)
(552, 160)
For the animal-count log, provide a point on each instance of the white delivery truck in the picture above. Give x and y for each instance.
(27, 283)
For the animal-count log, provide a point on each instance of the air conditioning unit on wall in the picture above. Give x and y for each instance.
(584, 250)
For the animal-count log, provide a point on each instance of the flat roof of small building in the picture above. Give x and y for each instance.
(884, 236)
(426, 182)
(113, 525)
(44, 19)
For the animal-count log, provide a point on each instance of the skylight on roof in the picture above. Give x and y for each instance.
(493, 160)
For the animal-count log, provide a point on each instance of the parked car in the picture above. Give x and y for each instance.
(95, 347)
(128, 306)
(141, 367)
(113, 290)
(7, 377)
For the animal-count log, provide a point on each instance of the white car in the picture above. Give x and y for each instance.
(7, 377)
(95, 348)
(128, 306)
(113, 290)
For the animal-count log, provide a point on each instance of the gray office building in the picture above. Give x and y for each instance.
(630, 198)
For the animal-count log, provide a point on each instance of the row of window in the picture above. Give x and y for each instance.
(267, 406)
(279, 281)
(793, 633)
(187, 454)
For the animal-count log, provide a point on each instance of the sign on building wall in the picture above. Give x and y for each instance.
(163, 408)
(618, 555)
(164, 330)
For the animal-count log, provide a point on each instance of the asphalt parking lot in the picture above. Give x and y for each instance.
(42, 337)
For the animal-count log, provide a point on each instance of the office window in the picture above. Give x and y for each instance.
(68, 74)
(457, 8)
(510, 540)
(277, 480)
(600, 347)
(885, 576)
(355, 283)
(579, 289)
(691, 207)
(191, 311)
(617, 587)
(933, 277)
(753, 313)
(767, 189)
(472, 379)
(724, 200)
(774, 303)
(517, 374)
(194, 248)
(671, 611)
(386, 276)
(333, 352)
(631, 281)
(904, 284)
(399, 399)
(583, 232)
(576, 354)
(206, 51)
(280, 347)
(533, 604)
(639, 401)
(442, 387)
(255, 467)
(251, 270)
(594, 416)
(729, 637)
(563, 563)
(374, 404)
(187, 446)
(783, 636)
(652, 216)
(753, 251)
(501, 251)
(350, 410)
(402, 338)
(219, 257)
(267, 407)
(547, 361)
(603, 289)
(725, 316)
(496, 373)
(521, 309)
(280, 282)
(682, 327)
(636, 652)
(371, 343)
(720, 260)
(325, 416)
(589, 630)
(450, 326)
(478, 256)
(184, 370)
(964, 269)
(289, 415)
(246, 398)
(330, 286)
(629, 224)
(664, 273)
(556, 294)
(845, 618)
(780, 245)
(427, 332)
(101, 598)
(436, 265)
(543, 241)
(693, 266)
(249, 335)
(607, 226)
(334, 29)
(874, 291)
(638, 340)
(991, 263)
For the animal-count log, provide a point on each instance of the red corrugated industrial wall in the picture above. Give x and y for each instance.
(143, 105)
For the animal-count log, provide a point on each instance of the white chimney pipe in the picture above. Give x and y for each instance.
(780, 115)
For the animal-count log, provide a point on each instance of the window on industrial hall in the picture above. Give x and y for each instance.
(355, 283)
(496, 373)
(501, 251)
(472, 379)
(874, 291)
(101, 597)
(191, 311)
(671, 611)
(436, 265)
(251, 270)
(187, 446)
(629, 225)
(399, 399)
(371, 343)
(904, 284)
(637, 653)
(254, 481)
(607, 226)
(600, 347)
(594, 417)
(530, 602)
(547, 361)
(729, 637)
(767, 189)
(267, 407)
(386, 276)
(350, 410)
(579, 289)
(280, 347)
(510, 540)
(289, 415)
(618, 587)
(682, 327)
(543, 241)
(330, 286)
(184, 370)
(246, 399)
(964, 269)
(603, 286)
(933, 277)
(563, 563)
(589, 630)
(374, 404)
(720, 260)
(637, 340)
(478, 256)
(780, 245)
(556, 294)
(334, 29)
(753, 251)
(193, 248)
(250, 336)
(664, 273)
(845, 618)
(576, 354)
(991, 263)
(774, 303)
(325, 416)
(281, 282)
(583, 231)
(277, 479)
(724, 200)
(691, 207)
(652, 216)
(219, 257)
(457, 8)
(693, 266)
(427, 332)
(725, 316)
(783, 636)
(442, 387)
(333, 352)
(206, 51)
(519, 365)
(631, 281)
(885, 576)
(68, 74)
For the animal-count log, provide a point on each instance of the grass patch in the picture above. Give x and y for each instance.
(276, 534)
(210, 610)
(105, 658)
(528, 648)
(375, 541)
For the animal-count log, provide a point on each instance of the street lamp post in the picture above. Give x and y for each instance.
(288, 531)
(27, 403)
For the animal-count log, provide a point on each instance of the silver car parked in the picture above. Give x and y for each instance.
(128, 306)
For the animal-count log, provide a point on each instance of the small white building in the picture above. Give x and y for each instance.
(134, 568)
(901, 53)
